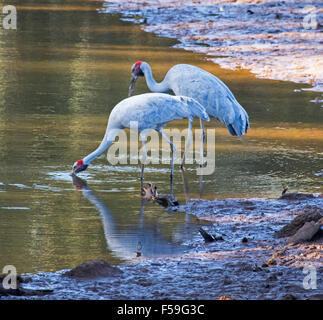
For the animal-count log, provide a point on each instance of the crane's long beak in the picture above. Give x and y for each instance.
(132, 84)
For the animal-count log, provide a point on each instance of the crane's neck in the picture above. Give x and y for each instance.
(151, 83)
(108, 139)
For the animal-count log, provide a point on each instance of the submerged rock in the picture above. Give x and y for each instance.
(97, 268)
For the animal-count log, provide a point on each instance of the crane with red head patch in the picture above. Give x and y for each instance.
(151, 111)
(191, 81)
(79, 166)
(204, 87)
(135, 73)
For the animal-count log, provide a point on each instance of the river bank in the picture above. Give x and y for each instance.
(274, 40)
(248, 261)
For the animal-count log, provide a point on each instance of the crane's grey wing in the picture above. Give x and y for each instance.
(154, 110)
(195, 108)
(210, 92)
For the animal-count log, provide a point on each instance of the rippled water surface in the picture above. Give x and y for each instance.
(61, 73)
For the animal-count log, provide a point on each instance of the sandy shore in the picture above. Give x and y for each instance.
(281, 40)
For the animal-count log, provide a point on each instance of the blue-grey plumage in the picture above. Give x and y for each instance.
(204, 87)
(154, 110)
(150, 111)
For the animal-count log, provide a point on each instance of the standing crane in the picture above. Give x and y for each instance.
(151, 111)
(204, 87)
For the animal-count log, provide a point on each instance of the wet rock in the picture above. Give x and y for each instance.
(227, 280)
(244, 240)
(297, 196)
(166, 200)
(272, 277)
(209, 238)
(97, 268)
(271, 262)
(245, 266)
(305, 233)
(275, 257)
(256, 269)
(291, 229)
(206, 236)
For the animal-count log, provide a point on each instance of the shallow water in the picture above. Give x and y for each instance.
(62, 72)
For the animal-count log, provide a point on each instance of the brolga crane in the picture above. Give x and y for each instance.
(150, 111)
(204, 87)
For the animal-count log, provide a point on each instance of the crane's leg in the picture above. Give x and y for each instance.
(172, 148)
(189, 138)
(202, 156)
(143, 161)
(202, 143)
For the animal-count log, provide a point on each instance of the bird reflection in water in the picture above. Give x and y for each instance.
(141, 239)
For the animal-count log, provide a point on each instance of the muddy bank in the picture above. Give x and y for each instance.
(253, 260)
(274, 40)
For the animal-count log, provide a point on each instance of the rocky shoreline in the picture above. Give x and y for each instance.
(254, 255)
(280, 40)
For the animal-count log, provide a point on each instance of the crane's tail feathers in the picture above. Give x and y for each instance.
(195, 108)
(240, 125)
(231, 130)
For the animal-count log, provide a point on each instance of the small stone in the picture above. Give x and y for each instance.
(271, 262)
(207, 237)
(256, 269)
(227, 281)
(272, 277)
(244, 240)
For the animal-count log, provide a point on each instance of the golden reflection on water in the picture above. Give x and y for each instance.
(57, 7)
(62, 72)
